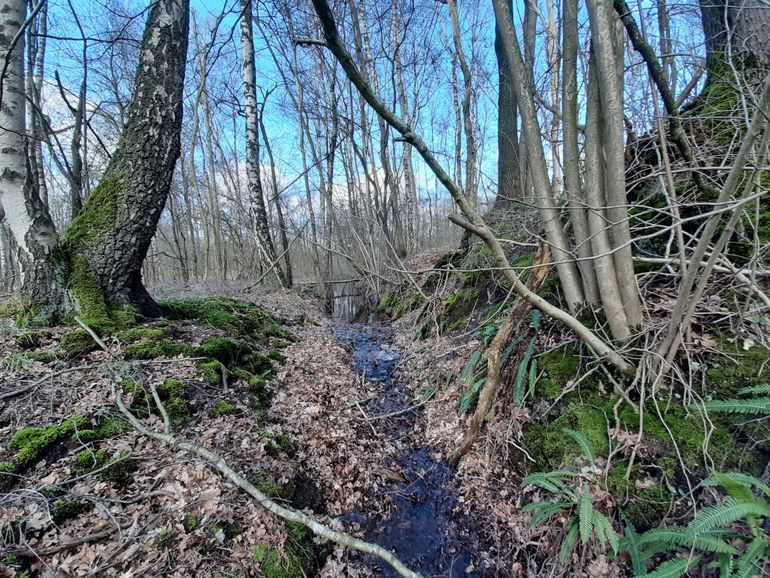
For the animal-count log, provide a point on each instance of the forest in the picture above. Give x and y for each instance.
(295, 288)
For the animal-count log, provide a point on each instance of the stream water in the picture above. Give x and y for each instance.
(422, 529)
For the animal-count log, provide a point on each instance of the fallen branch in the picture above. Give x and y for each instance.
(221, 465)
(502, 338)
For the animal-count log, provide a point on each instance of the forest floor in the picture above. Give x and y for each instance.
(354, 425)
(366, 455)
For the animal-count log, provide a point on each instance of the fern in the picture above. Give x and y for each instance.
(551, 481)
(470, 366)
(521, 372)
(678, 536)
(605, 532)
(545, 510)
(736, 478)
(585, 515)
(585, 445)
(756, 389)
(673, 568)
(726, 513)
(746, 566)
(569, 541)
(470, 396)
(756, 405)
(631, 545)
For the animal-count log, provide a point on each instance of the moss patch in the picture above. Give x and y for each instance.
(301, 557)
(171, 394)
(31, 442)
(141, 333)
(28, 340)
(744, 368)
(78, 342)
(107, 428)
(152, 348)
(224, 408)
(235, 317)
(117, 471)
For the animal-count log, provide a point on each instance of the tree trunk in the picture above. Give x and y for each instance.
(108, 242)
(252, 143)
(508, 162)
(26, 214)
(737, 30)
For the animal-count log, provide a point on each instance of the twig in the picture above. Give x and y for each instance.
(91, 332)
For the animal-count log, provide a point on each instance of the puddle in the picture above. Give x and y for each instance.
(421, 528)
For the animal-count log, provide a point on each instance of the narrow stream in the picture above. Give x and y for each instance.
(422, 529)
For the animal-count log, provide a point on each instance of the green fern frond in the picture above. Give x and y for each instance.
(545, 510)
(470, 366)
(569, 541)
(518, 391)
(532, 377)
(551, 481)
(756, 389)
(673, 568)
(746, 566)
(585, 514)
(605, 532)
(723, 514)
(677, 536)
(582, 442)
(630, 544)
(470, 396)
(745, 480)
(756, 405)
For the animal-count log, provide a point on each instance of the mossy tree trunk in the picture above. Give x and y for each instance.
(104, 248)
(739, 31)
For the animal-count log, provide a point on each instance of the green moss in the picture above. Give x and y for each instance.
(224, 408)
(11, 308)
(228, 529)
(30, 443)
(164, 539)
(152, 348)
(116, 471)
(191, 522)
(28, 340)
(558, 367)
(41, 356)
(172, 394)
(119, 471)
(646, 507)
(212, 370)
(280, 444)
(221, 349)
(87, 461)
(139, 333)
(256, 363)
(107, 428)
(7, 471)
(236, 317)
(277, 356)
(301, 556)
(78, 341)
(268, 487)
(743, 368)
(551, 448)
